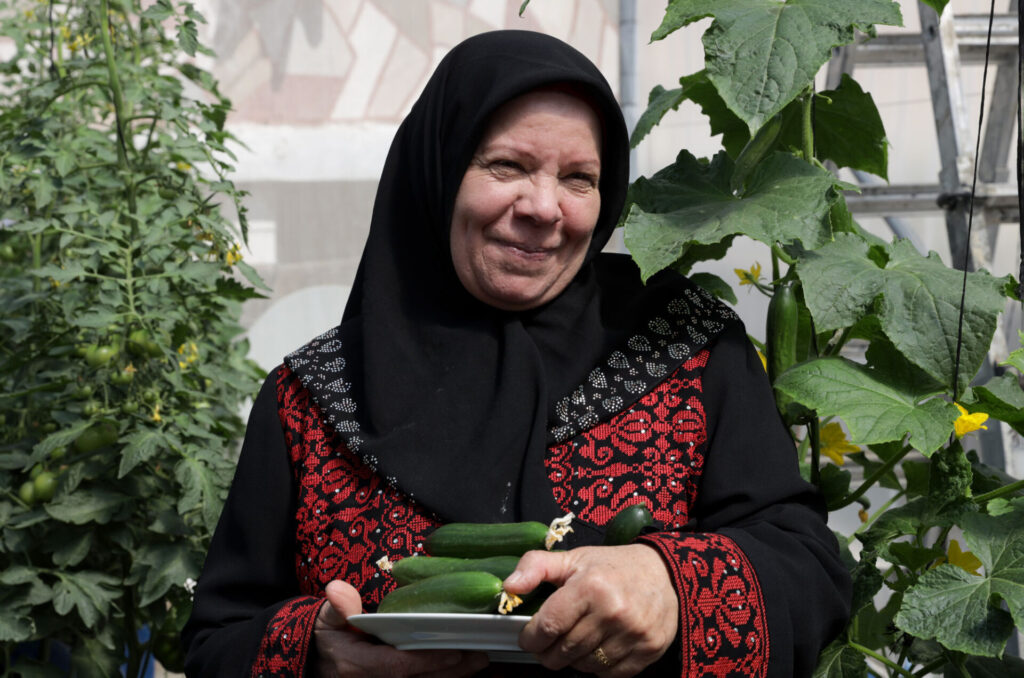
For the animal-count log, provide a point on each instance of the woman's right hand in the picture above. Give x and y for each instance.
(343, 651)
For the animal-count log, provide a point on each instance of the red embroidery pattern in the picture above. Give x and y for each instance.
(723, 624)
(654, 450)
(285, 644)
(347, 517)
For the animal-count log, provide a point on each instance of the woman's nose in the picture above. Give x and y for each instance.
(539, 201)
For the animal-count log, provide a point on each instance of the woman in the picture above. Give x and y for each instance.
(493, 366)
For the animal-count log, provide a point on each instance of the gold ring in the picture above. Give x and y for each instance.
(602, 657)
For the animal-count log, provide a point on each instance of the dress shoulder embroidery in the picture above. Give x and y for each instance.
(651, 452)
(688, 323)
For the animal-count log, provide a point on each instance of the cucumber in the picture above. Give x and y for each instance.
(455, 592)
(627, 525)
(755, 151)
(782, 328)
(484, 540)
(409, 570)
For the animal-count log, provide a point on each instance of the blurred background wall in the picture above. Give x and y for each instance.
(320, 86)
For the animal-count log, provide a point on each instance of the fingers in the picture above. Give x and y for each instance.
(618, 599)
(537, 566)
(342, 602)
(343, 651)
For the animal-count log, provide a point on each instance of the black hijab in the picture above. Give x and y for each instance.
(446, 397)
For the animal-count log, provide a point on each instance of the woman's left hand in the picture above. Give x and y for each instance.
(616, 599)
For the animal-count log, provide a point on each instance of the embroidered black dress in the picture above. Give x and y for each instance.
(426, 406)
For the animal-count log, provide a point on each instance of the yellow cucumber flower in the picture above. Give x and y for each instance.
(834, 443)
(968, 423)
(749, 277)
(965, 560)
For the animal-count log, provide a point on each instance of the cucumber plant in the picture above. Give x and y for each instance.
(121, 370)
(906, 405)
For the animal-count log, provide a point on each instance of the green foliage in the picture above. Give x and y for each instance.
(760, 54)
(919, 606)
(121, 369)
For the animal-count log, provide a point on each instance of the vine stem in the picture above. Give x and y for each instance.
(870, 480)
(882, 658)
(999, 491)
(115, 83)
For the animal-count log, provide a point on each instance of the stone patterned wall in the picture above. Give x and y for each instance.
(311, 62)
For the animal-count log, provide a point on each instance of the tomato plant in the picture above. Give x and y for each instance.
(116, 450)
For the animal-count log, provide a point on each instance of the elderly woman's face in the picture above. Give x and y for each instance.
(529, 201)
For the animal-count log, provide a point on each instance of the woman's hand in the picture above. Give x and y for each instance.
(616, 598)
(343, 651)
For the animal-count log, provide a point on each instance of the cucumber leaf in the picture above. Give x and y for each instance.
(761, 54)
(690, 204)
(963, 611)
(875, 410)
(848, 129)
(1002, 398)
(916, 298)
(839, 660)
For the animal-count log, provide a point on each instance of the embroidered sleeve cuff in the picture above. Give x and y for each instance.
(723, 626)
(285, 646)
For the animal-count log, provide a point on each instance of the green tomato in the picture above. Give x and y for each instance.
(129, 407)
(45, 484)
(122, 377)
(96, 436)
(98, 356)
(141, 344)
(91, 408)
(27, 492)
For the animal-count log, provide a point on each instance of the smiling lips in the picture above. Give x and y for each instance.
(524, 251)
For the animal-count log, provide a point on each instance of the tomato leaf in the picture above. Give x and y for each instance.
(163, 566)
(88, 592)
(86, 506)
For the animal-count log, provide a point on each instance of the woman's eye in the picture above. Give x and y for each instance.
(582, 179)
(507, 166)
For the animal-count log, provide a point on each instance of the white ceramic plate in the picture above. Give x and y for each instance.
(495, 634)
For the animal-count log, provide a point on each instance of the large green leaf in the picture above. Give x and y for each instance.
(839, 660)
(848, 129)
(689, 203)
(660, 102)
(86, 506)
(1002, 398)
(962, 611)
(917, 300)
(91, 593)
(164, 566)
(761, 54)
(875, 410)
